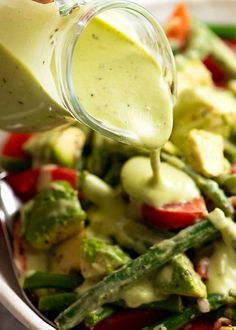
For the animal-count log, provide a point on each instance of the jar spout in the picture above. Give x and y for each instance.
(65, 7)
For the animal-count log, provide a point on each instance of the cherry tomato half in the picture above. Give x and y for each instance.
(13, 146)
(175, 215)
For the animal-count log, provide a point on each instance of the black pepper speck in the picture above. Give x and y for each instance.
(94, 36)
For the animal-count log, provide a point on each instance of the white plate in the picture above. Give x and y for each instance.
(219, 11)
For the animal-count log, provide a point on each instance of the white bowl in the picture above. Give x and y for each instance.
(219, 11)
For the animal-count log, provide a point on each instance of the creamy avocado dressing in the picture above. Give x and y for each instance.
(119, 83)
(141, 292)
(222, 266)
(28, 97)
(24, 104)
(222, 269)
(173, 185)
(155, 165)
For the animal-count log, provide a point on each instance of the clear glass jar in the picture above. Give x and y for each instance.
(37, 45)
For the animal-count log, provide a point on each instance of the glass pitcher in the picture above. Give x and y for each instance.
(38, 68)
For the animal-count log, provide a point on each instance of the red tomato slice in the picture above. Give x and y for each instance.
(66, 174)
(24, 184)
(175, 215)
(135, 319)
(218, 75)
(178, 25)
(13, 146)
(199, 325)
(231, 44)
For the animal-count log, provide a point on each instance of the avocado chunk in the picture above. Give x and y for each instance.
(99, 258)
(53, 216)
(191, 73)
(69, 146)
(62, 146)
(204, 108)
(205, 152)
(179, 277)
(40, 146)
(61, 258)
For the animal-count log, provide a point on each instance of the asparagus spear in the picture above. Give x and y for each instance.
(225, 31)
(177, 321)
(203, 42)
(228, 181)
(56, 302)
(172, 304)
(109, 288)
(209, 187)
(98, 315)
(230, 150)
(40, 280)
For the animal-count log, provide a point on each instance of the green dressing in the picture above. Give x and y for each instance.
(222, 266)
(29, 100)
(119, 82)
(222, 269)
(141, 292)
(173, 185)
(24, 104)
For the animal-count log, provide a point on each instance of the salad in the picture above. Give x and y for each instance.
(99, 248)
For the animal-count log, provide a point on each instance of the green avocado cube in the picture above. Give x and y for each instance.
(54, 215)
(205, 152)
(61, 258)
(191, 73)
(204, 108)
(179, 277)
(99, 258)
(68, 147)
(62, 146)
